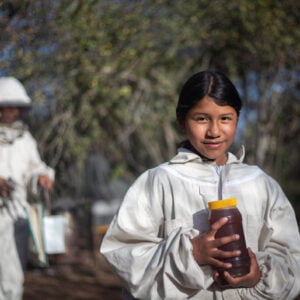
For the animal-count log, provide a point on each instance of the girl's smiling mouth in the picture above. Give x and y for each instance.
(213, 144)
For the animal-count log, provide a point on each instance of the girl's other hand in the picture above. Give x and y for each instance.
(205, 247)
(248, 280)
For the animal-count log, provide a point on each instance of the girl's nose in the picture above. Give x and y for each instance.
(213, 130)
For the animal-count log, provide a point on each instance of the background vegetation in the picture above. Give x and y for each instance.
(105, 75)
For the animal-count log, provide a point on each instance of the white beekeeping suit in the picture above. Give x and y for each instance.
(20, 168)
(148, 242)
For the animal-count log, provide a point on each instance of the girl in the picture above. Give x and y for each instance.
(160, 242)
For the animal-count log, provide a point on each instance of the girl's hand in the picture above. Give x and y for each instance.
(205, 247)
(248, 280)
(45, 182)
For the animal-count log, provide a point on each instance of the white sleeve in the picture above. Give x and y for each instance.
(152, 266)
(36, 166)
(279, 255)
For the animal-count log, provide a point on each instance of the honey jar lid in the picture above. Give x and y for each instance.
(222, 203)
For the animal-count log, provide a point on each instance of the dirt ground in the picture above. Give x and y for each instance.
(78, 274)
(88, 277)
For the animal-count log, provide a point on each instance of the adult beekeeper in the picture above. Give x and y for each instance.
(21, 170)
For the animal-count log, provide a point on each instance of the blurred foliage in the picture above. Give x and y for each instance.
(105, 77)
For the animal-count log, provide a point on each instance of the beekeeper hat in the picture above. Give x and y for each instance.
(13, 93)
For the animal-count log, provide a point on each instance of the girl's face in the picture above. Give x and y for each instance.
(210, 128)
(8, 115)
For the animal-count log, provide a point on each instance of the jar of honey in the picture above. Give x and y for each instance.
(228, 208)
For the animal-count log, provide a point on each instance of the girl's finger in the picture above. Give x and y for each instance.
(217, 225)
(226, 254)
(219, 264)
(216, 275)
(225, 240)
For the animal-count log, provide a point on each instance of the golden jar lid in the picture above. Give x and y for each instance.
(230, 202)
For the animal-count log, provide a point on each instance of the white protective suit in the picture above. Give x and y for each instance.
(20, 162)
(148, 242)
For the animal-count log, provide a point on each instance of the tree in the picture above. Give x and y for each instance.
(109, 73)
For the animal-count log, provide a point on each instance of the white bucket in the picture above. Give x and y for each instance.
(54, 228)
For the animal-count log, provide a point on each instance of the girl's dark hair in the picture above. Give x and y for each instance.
(207, 83)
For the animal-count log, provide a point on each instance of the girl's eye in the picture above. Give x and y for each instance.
(226, 118)
(201, 119)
